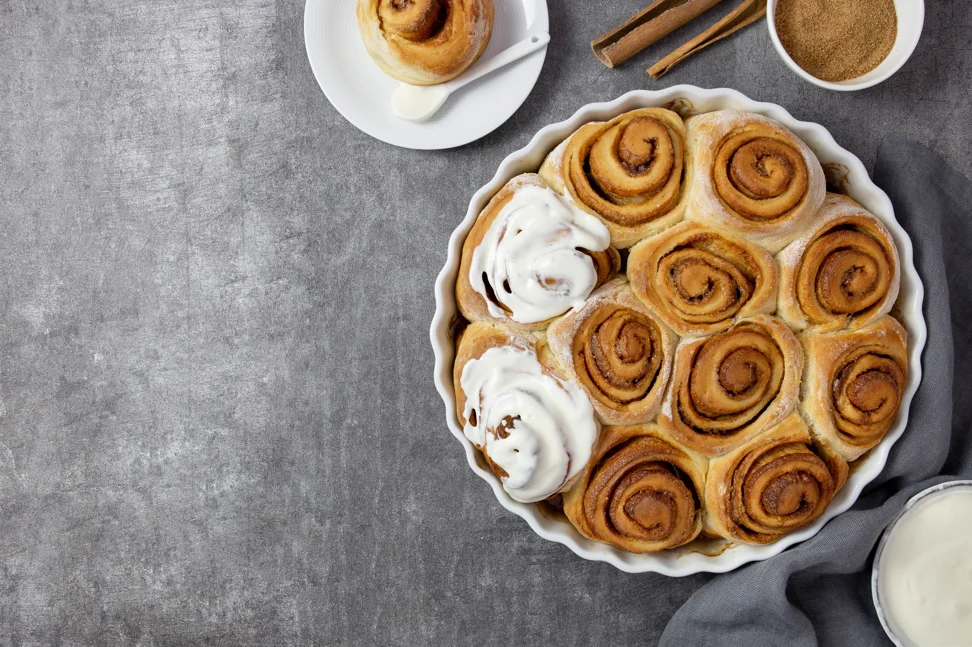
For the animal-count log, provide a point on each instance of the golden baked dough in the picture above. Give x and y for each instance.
(699, 279)
(842, 272)
(727, 388)
(854, 384)
(617, 351)
(641, 492)
(627, 171)
(750, 175)
(424, 42)
(776, 483)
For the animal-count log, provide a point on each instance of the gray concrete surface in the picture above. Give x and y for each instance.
(218, 420)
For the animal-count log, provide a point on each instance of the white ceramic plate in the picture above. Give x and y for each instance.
(843, 169)
(361, 92)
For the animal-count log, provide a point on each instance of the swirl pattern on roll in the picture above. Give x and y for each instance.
(759, 177)
(628, 171)
(617, 351)
(699, 279)
(730, 386)
(535, 429)
(640, 493)
(772, 485)
(532, 256)
(843, 272)
(752, 176)
(855, 383)
(424, 42)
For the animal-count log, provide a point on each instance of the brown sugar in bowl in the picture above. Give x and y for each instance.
(910, 16)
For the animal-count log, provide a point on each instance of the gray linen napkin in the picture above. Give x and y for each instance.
(819, 592)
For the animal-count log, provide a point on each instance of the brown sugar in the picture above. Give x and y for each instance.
(836, 40)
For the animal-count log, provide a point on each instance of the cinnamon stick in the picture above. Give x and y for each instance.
(656, 21)
(748, 12)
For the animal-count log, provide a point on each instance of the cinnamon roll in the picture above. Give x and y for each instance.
(699, 279)
(641, 492)
(842, 272)
(772, 485)
(531, 256)
(617, 351)
(627, 171)
(727, 388)
(535, 429)
(752, 176)
(424, 42)
(854, 384)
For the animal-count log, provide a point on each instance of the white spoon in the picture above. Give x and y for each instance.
(418, 103)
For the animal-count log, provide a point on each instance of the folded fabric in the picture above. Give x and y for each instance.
(819, 591)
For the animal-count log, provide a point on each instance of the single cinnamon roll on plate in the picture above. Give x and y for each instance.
(531, 256)
(752, 176)
(854, 383)
(842, 272)
(627, 171)
(641, 492)
(617, 351)
(535, 429)
(699, 279)
(727, 388)
(772, 485)
(424, 42)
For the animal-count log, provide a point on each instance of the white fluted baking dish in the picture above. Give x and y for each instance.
(843, 170)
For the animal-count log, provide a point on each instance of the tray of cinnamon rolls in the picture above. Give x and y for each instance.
(679, 331)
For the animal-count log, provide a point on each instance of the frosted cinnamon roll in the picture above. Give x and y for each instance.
(699, 279)
(627, 171)
(727, 388)
(854, 384)
(531, 256)
(617, 351)
(641, 492)
(752, 176)
(772, 485)
(424, 42)
(842, 272)
(535, 429)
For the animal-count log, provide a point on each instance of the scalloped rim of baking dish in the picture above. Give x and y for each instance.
(684, 561)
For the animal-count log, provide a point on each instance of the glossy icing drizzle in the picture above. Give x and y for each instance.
(531, 264)
(538, 430)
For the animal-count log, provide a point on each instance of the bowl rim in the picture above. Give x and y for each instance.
(843, 86)
(527, 159)
(932, 490)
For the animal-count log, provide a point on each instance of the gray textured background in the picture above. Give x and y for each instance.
(218, 420)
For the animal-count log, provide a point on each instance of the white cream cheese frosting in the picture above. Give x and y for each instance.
(535, 427)
(531, 256)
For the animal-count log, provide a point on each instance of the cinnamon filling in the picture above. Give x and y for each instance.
(760, 178)
(414, 20)
(866, 395)
(618, 354)
(734, 377)
(845, 271)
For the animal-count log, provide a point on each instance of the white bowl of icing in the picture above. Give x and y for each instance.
(921, 581)
(843, 170)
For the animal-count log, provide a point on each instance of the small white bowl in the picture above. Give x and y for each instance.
(842, 168)
(894, 633)
(911, 17)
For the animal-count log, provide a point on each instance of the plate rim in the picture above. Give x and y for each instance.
(675, 563)
(541, 21)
